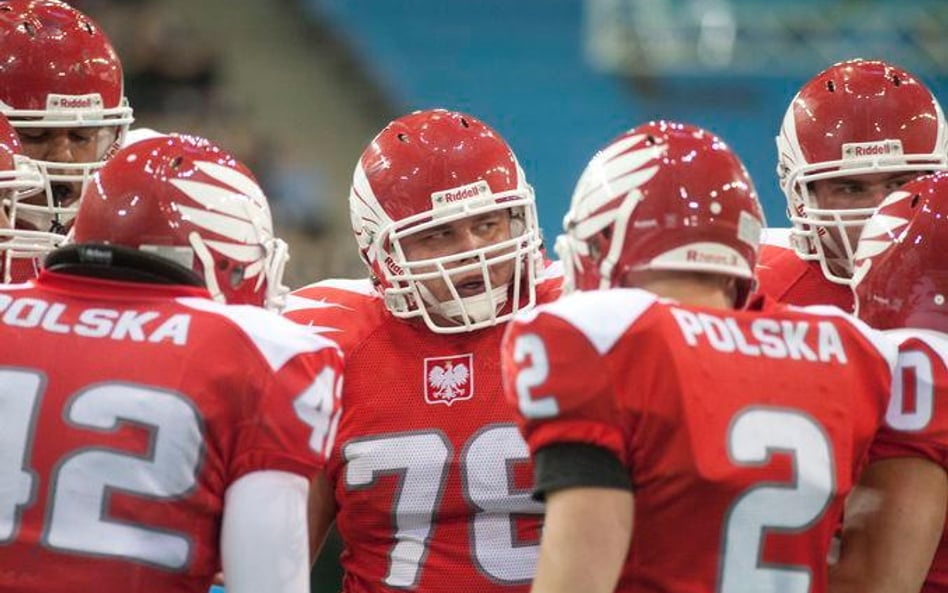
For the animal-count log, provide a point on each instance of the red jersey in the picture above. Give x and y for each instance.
(20, 269)
(431, 477)
(739, 442)
(785, 278)
(916, 412)
(126, 412)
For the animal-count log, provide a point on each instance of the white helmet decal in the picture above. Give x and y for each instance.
(245, 221)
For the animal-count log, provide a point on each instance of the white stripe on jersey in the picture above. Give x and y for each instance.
(277, 339)
(778, 237)
(298, 303)
(26, 284)
(139, 134)
(361, 286)
(553, 270)
(602, 315)
(935, 340)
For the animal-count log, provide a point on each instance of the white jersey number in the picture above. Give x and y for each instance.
(80, 485)
(914, 415)
(421, 460)
(532, 346)
(315, 407)
(756, 434)
(19, 403)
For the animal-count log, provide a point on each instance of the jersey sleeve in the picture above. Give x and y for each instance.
(297, 411)
(560, 387)
(916, 418)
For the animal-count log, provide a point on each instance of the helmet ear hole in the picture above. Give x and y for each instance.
(236, 276)
(595, 248)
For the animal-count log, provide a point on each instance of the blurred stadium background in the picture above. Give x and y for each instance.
(298, 87)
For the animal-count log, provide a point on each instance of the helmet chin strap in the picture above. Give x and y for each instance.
(477, 307)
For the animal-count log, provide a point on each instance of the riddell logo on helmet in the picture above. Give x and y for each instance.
(73, 102)
(478, 189)
(393, 267)
(718, 259)
(859, 150)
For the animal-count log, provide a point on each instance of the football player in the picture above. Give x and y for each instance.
(155, 421)
(650, 398)
(430, 483)
(854, 133)
(896, 517)
(61, 86)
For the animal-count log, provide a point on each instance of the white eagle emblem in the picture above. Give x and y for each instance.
(449, 379)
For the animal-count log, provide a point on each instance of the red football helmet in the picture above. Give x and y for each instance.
(662, 196)
(854, 118)
(19, 178)
(901, 272)
(59, 71)
(186, 199)
(431, 168)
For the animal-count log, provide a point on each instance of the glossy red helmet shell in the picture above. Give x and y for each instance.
(662, 196)
(862, 101)
(186, 199)
(901, 271)
(51, 49)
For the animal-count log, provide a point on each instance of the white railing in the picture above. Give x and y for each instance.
(695, 37)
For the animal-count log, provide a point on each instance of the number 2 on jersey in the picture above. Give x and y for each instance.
(756, 434)
(532, 346)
